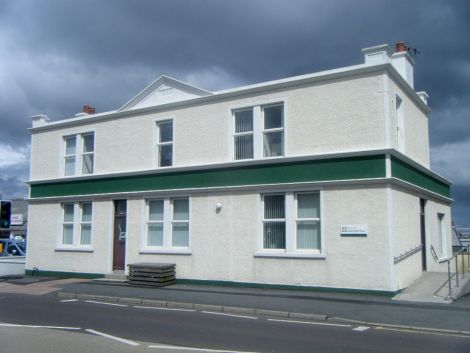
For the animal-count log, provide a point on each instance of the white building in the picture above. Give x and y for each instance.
(320, 180)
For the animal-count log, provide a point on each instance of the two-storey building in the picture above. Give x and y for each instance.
(320, 180)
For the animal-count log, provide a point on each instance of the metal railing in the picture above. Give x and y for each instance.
(450, 274)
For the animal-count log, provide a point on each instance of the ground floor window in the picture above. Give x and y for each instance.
(167, 224)
(291, 222)
(76, 224)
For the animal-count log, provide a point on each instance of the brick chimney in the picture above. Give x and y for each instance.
(88, 109)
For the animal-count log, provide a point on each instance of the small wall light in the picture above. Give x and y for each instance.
(218, 207)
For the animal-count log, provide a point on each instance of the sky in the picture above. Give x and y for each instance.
(57, 55)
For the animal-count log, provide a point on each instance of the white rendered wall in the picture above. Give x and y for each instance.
(434, 207)
(416, 145)
(406, 236)
(223, 245)
(44, 225)
(342, 115)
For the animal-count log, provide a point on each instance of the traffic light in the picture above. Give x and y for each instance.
(5, 214)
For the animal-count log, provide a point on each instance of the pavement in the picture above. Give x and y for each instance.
(358, 308)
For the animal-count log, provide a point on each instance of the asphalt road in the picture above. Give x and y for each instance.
(104, 327)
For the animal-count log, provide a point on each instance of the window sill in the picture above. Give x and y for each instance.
(87, 250)
(165, 252)
(290, 255)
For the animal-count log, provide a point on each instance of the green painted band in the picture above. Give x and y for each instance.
(405, 172)
(62, 274)
(350, 168)
(286, 287)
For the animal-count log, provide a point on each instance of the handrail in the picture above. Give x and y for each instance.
(451, 275)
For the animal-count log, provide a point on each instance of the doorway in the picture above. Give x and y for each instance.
(422, 213)
(120, 232)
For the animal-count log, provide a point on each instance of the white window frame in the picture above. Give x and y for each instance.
(313, 219)
(167, 228)
(247, 133)
(84, 223)
(77, 228)
(442, 235)
(291, 218)
(166, 143)
(274, 220)
(68, 156)
(83, 154)
(79, 153)
(264, 131)
(258, 129)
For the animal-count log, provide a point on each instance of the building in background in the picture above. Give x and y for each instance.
(320, 180)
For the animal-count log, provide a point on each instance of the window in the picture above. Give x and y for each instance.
(180, 223)
(442, 235)
(88, 153)
(308, 222)
(258, 132)
(273, 131)
(76, 224)
(67, 234)
(243, 134)
(168, 224)
(155, 223)
(83, 161)
(274, 222)
(165, 143)
(70, 150)
(85, 223)
(291, 223)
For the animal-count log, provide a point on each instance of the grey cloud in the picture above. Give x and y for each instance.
(59, 55)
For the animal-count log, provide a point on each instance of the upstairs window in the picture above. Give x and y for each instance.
(243, 134)
(88, 151)
(70, 154)
(258, 132)
(79, 154)
(165, 143)
(273, 131)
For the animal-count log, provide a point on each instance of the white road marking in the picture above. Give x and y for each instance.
(310, 323)
(119, 339)
(361, 328)
(197, 349)
(38, 326)
(232, 315)
(157, 308)
(68, 300)
(94, 302)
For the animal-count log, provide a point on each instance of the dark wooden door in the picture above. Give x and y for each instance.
(120, 232)
(422, 209)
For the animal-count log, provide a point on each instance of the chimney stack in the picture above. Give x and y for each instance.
(89, 109)
(404, 63)
(400, 46)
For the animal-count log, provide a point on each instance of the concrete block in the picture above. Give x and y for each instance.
(313, 317)
(149, 302)
(105, 298)
(130, 300)
(271, 313)
(236, 310)
(178, 305)
(204, 307)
